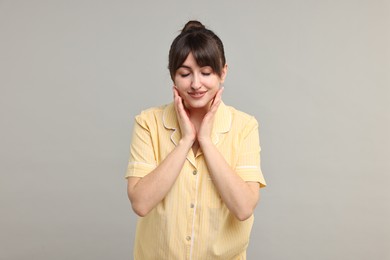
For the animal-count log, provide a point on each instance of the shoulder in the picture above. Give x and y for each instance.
(242, 120)
(150, 116)
(150, 112)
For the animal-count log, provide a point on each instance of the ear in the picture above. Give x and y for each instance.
(224, 72)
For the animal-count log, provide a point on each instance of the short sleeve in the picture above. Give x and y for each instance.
(142, 160)
(248, 164)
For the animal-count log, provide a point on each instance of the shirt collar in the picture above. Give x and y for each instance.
(222, 122)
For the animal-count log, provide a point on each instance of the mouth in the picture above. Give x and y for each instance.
(197, 94)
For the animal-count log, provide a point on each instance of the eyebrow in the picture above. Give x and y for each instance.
(188, 67)
(184, 66)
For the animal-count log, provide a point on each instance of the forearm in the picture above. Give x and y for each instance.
(239, 196)
(151, 189)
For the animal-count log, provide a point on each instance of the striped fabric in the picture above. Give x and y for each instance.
(192, 222)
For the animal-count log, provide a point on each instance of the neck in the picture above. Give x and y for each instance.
(196, 117)
(199, 113)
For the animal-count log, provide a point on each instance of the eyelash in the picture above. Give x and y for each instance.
(203, 73)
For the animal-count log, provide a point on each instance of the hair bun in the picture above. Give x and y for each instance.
(193, 25)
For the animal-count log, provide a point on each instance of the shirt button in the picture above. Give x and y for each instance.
(194, 172)
(192, 205)
(188, 238)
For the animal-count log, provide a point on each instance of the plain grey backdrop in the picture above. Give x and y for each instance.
(316, 75)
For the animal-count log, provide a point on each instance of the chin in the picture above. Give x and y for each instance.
(199, 104)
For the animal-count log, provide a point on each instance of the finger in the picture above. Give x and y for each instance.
(214, 107)
(180, 101)
(217, 100)
(219, 93)
(175, 93)
(217, 96)
(181, 111)
(177, 101)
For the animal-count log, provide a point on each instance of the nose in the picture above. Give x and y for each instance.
(196, 84)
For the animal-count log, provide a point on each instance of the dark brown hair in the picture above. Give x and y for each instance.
(204, 44)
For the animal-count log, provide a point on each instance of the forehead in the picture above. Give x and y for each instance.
(190, 62)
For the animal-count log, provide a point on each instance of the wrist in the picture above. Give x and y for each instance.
(204, 142)
(187, 142)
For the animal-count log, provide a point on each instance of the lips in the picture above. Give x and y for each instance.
(197, 94)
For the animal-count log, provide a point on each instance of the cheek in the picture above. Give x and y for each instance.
(213, 92)
(212, 82)
(214, 85)
(181, 91)
(180, 82)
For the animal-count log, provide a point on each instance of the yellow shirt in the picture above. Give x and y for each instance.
(192, 222)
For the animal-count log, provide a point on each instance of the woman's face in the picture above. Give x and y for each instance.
(196, 85)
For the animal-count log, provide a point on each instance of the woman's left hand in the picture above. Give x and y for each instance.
(204, 132)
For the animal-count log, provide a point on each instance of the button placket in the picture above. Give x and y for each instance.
(194, 179)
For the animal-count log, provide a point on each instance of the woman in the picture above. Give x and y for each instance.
(194, 169)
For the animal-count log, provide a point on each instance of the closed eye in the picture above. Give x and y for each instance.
(184, 75)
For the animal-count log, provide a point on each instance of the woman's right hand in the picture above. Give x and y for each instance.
(187, 129)
(147, 192)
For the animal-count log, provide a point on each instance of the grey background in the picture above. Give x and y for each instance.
(316, 74)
